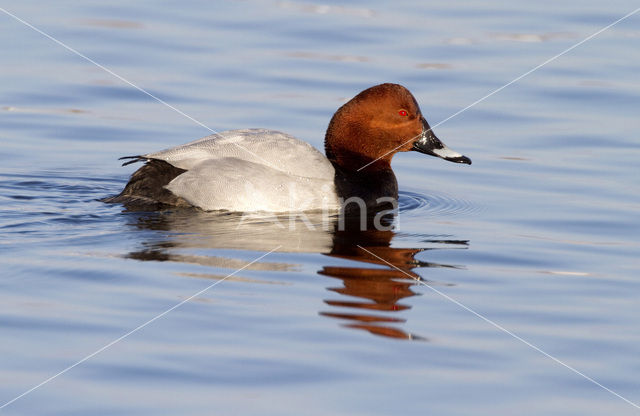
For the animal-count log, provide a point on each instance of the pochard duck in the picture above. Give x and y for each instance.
(265, 170)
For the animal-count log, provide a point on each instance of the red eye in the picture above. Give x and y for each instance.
(403, 113)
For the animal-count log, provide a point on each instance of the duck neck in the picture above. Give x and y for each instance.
(375, 184)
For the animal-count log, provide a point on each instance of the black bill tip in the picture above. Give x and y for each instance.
(459, 159)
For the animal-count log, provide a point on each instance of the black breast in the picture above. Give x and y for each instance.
(374, 187)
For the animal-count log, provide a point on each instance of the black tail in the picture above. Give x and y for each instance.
(146, 188)
(135, 159)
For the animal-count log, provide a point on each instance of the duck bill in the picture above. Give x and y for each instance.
(429, 144)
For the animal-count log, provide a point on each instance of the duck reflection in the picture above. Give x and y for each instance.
(378, 291)
(371, 294)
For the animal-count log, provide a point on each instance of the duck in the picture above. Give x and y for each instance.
(254, 170)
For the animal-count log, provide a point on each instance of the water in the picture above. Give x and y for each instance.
(539, 236)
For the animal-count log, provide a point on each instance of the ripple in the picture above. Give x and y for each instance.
(433, 204)
(51, 205)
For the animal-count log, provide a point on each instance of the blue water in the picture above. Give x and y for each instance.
(496, 285)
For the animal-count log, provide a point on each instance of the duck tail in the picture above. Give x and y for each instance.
(134, 159)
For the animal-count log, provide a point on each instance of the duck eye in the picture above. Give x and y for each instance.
(403, 113)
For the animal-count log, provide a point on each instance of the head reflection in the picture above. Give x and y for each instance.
(374, 293)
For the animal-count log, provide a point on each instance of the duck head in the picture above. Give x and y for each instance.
(382, 120)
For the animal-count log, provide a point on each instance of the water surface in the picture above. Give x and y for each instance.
(538, 236)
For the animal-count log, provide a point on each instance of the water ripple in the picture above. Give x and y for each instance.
(434, 204)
